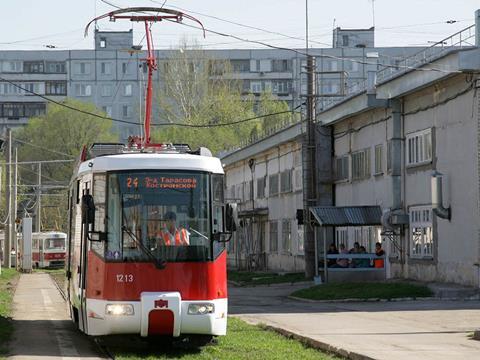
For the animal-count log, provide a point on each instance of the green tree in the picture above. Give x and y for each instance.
(197, 90)
(60, 134)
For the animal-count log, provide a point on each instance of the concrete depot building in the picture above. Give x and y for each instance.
(388, 141)
(435, 117)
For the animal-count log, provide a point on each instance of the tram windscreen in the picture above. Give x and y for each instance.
(55, 244)
(160, 216)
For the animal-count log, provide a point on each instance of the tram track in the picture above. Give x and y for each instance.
(59, 286)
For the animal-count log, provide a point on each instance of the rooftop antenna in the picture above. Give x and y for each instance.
(149, 15)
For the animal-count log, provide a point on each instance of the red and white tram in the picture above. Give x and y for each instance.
(48, 249)
(147, 230)
(122, 276)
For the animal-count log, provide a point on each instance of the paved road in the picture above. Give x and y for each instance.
(430, 330)
(43, 329)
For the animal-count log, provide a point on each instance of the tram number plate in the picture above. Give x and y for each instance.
(125, 278)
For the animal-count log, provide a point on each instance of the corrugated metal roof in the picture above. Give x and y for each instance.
(347, 215)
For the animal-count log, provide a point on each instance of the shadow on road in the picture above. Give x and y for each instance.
(50, 338)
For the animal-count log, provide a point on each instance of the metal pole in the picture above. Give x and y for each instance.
(309, 173)
(8, 193)
(15, 206)
(39, 206)
(306, 26)
(325, 268)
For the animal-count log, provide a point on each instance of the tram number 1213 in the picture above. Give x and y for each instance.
(125, 278)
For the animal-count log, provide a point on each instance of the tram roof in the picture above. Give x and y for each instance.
(152, 161)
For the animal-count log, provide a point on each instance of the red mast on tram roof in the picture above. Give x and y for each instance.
(169, 15)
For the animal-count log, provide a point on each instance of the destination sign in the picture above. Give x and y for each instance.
(161, 182)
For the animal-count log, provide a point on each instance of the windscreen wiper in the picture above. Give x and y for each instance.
(159, 264)
(199, 233)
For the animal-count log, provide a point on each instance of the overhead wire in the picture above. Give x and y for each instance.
(240, 24)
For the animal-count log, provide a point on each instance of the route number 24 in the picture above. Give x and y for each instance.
(125, 278)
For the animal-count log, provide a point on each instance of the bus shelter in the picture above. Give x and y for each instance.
(326, 217)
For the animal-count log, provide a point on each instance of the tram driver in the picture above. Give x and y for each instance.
(171, 234)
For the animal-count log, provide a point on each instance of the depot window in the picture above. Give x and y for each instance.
(421, 233)
(419, 148)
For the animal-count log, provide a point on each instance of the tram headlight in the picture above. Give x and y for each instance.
(201, 309)
(119, 309)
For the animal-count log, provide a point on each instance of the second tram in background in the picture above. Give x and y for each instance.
(48, 249)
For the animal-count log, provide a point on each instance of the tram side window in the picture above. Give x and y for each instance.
(217, 211)
(99, 189)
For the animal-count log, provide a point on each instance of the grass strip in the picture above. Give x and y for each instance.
(261, 278)
(369, 290)
(243, 341)
(7, 287)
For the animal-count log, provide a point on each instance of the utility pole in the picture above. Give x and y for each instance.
(39, 201)
(309, 175)
(8, 201)
(14, 204)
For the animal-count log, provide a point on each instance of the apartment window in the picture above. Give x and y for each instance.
(273, 236)
(389, 155)
(344, 40)
(361, 164)
(55, 67)
(216, 67)
(273, 185)
(300, 241)
(282, 87)
(32, 88)
(421, 234)
(256, 87)
(126, 111)
(82, 68)
(106, 68)
(298, 179)
(341, 168)
(247, 190)
(33, 67)
(34, 109)
(103, 42)
(261, 188)
(56, 88)
(10, 89)
(125, 68)
(286, 236)
(378, 159)
(106, 90)
(83, 90)
(127, 90)
(419, 147)
(281, 65)
(12, 66)
(286, 181)
(13, 110)
(107, 110)
(240, 65)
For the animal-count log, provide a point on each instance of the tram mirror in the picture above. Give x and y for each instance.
(231, 217)
(88, 208)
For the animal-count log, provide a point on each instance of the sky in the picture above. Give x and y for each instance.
(34, 24)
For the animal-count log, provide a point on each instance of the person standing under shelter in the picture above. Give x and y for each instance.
(171, 235)
(379, 263)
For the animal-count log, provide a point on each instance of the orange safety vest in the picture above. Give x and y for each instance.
(181, 237)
